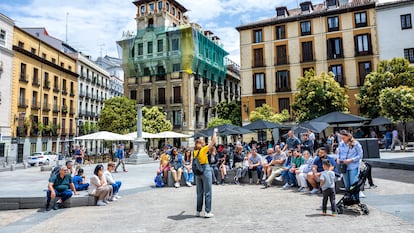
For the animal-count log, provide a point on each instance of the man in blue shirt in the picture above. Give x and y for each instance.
(120, 155)
(59, 187)
(317, 169)
(292, 142)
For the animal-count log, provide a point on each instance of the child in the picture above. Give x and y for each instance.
(79, 181)
(328, 187)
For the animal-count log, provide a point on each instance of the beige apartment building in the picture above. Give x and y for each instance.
(336, 35)
(44, 96)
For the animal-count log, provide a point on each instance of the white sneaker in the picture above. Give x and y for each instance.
(279, 178)
(106, 201)
(361, 194)
(176, 185)
(198, 214)
(264, 177)
(315, 191)
(188, 184)
(117, 196)
(209, 215)
(286, 186)
(100, 203)
(113, 198)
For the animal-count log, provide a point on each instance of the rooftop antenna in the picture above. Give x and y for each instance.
(67, 14)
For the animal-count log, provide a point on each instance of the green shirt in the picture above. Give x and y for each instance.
(298, 161)
(60, 184)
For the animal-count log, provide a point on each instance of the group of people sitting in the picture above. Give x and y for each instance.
(63, 184)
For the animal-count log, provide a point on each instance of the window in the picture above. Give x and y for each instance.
(307, 70)
(259, 102)
(173, 11)
(147, 96)
(364, 69)
(33, 50)
(406, 22)
(259, 83)
(305, 28)
(151, 7)
(44, 56)
(53, 60)
(284, 103)
(22, 97)
(281, 55)
(337, 70)
(258, 57)
(161, 95)
(282, 80)
(160, 45)
(35, 76)
(150, 23)
(133, 95)
(176, 67)
(307, 51)
(177, 95)
(409, 54)
(142, 9)
(175, 44)
(20, 45)
(280, 32)
(167, 6)
(149, 47)
(140, 49)
(2, 37)
(334, 48)
(361, 19)
(23, 72)
(331, 3)
(179, 15)
(257, 34)
(333, 23)
(34, 100)
(280, 11)
(363, 45)
(159, 5)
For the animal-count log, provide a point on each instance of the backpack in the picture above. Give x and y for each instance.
(55, 171)
(159, 182)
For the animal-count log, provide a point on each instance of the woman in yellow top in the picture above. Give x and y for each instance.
(204, 181)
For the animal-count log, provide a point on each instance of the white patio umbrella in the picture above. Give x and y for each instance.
(105, 135)
(171, 134)
(144, 135)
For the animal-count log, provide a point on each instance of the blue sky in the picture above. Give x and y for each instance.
(95, 25)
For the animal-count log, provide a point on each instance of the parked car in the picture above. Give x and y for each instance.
(42, 157)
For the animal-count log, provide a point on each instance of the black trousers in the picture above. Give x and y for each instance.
(329, 193)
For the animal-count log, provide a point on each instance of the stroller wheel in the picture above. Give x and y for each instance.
(364, 209)
(340, 209)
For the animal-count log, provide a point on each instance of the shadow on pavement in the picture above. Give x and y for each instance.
(181, 216)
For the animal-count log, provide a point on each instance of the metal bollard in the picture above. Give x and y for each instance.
(12, 167)
(25, 165)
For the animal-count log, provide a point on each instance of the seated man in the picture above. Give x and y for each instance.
(255, 164)
(279, 159)
(79, 181)
(267, 168)
(59, 187)
(317, 169)
(116, 185)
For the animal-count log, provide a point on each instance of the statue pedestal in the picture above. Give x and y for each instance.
(139, 156)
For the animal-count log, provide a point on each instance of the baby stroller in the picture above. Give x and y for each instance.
(351, 197)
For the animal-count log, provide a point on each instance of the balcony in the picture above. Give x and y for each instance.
(64, 109)
(35, 82)
(46, 85)
(23, 103)
(35, 105)
(160, 78)
(207, 102)
(176, 100)
(63, 131)
(198, 101)
(24, 78)
(64, 91)
(282, 61)
(72, 93)
(71, 111)
(147, 101)
(55, 89)
(46, 107)
(56, 109)
(81, 94)
(199, 125)
(87, 95)
(160, 101)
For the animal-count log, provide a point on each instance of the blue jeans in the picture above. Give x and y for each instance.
(189, 176)
(116, 186)
(63, 195)
(258, 169)
(291, 178)
(204, 189)
(350, 177)
(80, 187)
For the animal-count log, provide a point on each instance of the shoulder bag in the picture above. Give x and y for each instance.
(197, 168)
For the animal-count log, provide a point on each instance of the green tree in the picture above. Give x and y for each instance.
(154, 120)
(118, 115)
(230, 111)
(265, 112)
(397, 104)
(215, 121)
(319, 95)
(390, 73)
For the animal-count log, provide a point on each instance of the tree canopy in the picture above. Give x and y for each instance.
(230, 111)
(390, 74)
(154, 120)
(319, 95)
(397, 104)
(215, 121)
(118, 115)
(265, 112)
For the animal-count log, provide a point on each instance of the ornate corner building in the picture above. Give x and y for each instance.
(174, 64)
(335, 35)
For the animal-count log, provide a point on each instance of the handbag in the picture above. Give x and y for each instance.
(198, 170)
(342, 168)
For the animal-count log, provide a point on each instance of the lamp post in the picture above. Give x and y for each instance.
(139, 156)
